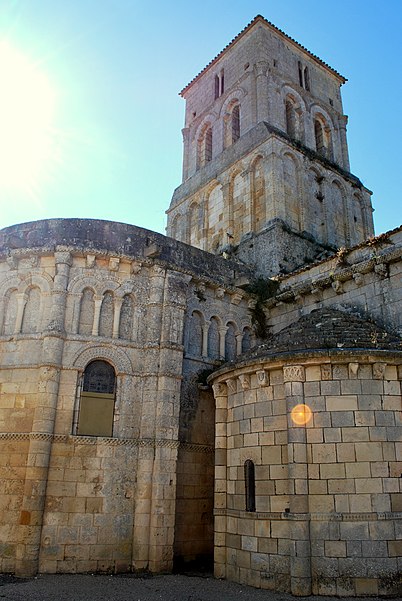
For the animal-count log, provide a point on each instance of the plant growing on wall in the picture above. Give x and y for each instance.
(262, 289)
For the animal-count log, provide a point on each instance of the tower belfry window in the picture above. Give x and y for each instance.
(300, 74)
(235, 123)
(304, 76)
(204, 147)
(219, 84)
(208, 145)
(306, 79)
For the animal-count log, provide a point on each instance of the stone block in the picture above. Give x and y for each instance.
(335, 548)
(366, 586)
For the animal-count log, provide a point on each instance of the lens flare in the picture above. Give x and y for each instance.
(26, 112)
(301, 414)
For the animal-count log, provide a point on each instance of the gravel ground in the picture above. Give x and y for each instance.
(129, 587)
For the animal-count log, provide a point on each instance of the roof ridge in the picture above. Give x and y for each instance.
(243, 31)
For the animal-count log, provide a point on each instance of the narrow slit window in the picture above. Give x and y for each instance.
(249, 479)
(306, 79)
(300, 74)
(208, 145)
(217, 86)
(235, 124)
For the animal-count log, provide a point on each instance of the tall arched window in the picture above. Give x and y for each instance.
(213, 339)
(249, 481)
(106, 315)
(246, 340)
(97, 400)
(208, 145)
(126, 317)
(10, 312)
(323, 140)
(87, 312)
(306, 79)
(204, 150)
(235, 123)
(30, 320)
(195, 334)
(290, 115)
(195, 223)
(258, 196)
(230, 342)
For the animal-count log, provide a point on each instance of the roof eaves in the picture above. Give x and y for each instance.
(242, 32)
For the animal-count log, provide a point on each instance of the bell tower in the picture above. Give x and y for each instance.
(266, 174)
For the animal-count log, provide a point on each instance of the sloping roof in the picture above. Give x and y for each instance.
(325, 329)
(260, 18)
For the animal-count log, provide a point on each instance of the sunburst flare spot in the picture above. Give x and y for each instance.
(27, 103)
(301, 414)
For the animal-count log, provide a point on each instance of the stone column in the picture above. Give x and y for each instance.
(157, 464)
(261, 74)
(220, 497)
(239, 340)
(227, 194)
(163, 499)
(300, 549)
(344, 142)
(186, 152)
(205, 329)
(33, 502)
(222, 334)
(77, 297)
(146, 452)
(21, 302)
(116, 316)
(98, 304)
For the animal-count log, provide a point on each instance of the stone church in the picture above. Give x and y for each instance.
(231, 390)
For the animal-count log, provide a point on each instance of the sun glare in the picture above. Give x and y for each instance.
(26, 113)
(301, 414)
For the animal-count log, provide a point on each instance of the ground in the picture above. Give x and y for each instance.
(129, 587)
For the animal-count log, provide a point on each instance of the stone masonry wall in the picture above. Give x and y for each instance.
(328, 494)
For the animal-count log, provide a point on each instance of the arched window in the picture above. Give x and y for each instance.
(249, 481)
(204, 150)
(300, 68)
(87, 312)
(106, 315)
(10, 312)
(97, 400)
(208, 145)
(195, 223)
(290, 114)
(195, 334)
(213, 339)
(217, 86)
(30, 320)
(323, 140)
(235, 123)
(306, 79)
(230, 342)
(246, 340)
(126, 317)
(177, 227)
(258, 196)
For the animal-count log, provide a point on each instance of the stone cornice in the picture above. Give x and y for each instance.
(113, 442)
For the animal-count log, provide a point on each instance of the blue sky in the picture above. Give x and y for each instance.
(116, 67)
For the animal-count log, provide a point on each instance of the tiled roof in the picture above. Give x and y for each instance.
(325, 329)
(261, 19)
